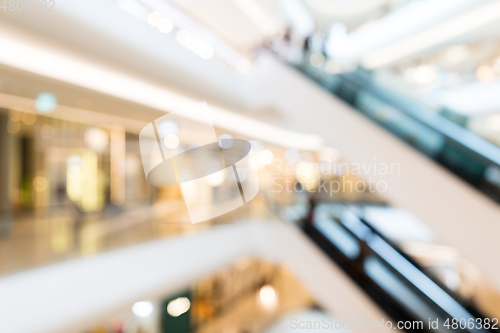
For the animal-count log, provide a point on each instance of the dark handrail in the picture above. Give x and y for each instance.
(443, 303)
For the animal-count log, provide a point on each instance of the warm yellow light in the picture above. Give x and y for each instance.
(266, 157)
(96, 138)
(117, 165)
(61, 237)
(74, 177)
(308, 175)
(178, 306)
(267, 296)
(29, 117)
(40, 184)
(92, 196)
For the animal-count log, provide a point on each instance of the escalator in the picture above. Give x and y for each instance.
(392, 278)
(439, 134)
(450, 176)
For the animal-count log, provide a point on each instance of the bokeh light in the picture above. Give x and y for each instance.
(171, 141)
(178, 306)
(142, 309)
(266, 157)
(267, 297)
(46, 102)
(154, 18)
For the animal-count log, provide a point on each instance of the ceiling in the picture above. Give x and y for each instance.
(123, 39)
(112, 63)
(243, 24)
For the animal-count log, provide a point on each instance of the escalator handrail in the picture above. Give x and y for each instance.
(452, 131)
(407, 270)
